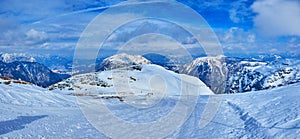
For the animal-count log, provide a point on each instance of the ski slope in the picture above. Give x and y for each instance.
(28, 111)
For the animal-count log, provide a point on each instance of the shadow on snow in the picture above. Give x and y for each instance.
(18, 123)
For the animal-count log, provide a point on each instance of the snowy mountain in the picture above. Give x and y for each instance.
(120, 61)
(57, 64)
(32, 72)
(243, 75)
(222, 74)
(133, 80)
(8, 58)
(29, 111)
(211, 70)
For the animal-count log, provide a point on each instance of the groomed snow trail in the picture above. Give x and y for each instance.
(31, 112)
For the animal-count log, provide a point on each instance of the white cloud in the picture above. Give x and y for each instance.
(154, 43)
(293, 39)
(277, 17)
(240, 11)
(36, 35)
(190, 40)
(238, 35)
(251, 38)
(273, 50)
(237, 40)
(229, 35)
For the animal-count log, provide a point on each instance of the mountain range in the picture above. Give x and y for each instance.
(242, 74)
(222, 74)
(57, 64)
(32, 72)
(145, 93)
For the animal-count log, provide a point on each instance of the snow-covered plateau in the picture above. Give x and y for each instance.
(29, 111)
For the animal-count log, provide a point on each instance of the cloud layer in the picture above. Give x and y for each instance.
(254, 26)
(277, 17)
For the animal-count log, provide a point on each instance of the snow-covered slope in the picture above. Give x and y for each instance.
(8, 81)
(29, 111)
(22, 94)
(144, 81)
(121, 60)
(273, 113)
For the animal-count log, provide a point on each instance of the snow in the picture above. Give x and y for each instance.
(244, 75)
(126, 58)
(151, 79)
(211, 61)
(253, 63)
(12, 57)
(252, 66)
(122, 60)
(28, 111)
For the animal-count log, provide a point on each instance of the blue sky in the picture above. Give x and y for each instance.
(242, 26)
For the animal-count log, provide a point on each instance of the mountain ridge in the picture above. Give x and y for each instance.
(32, 72)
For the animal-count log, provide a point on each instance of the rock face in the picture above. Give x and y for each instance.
(236, 75)
(32, 72)
(120, 61)
(211, 70)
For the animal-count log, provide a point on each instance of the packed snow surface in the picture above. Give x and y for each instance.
(28, 111)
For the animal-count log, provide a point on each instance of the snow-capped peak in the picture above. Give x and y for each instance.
(8, 58)
(122, 60)
(242, 74)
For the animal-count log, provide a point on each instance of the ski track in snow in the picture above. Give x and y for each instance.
(31, 112)
(251, 125)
